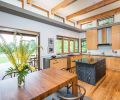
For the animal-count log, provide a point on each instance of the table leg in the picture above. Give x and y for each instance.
(74, 87)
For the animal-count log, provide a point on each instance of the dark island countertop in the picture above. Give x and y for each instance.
(89, 60)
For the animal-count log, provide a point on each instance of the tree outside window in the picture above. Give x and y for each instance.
(83, 45)
(66, 42)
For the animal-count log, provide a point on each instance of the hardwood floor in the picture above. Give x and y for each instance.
(107, 88)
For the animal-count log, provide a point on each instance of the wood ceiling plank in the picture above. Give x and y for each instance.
(63, 4)
(22, 1)
(91, 8)
(100, 16)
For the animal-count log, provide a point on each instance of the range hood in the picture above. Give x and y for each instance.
(105, 44)
(104, 37)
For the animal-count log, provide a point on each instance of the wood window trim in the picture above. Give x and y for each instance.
(69, 39)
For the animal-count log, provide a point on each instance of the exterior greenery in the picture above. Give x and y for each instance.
(59, 46)
(83, 45)
(105, 21)
(67, 45)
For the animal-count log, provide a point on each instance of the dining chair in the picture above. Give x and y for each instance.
(70, 96)
(62, 94)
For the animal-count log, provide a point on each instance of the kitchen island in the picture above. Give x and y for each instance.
(90, 70)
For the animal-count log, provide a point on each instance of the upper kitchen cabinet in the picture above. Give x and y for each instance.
(92, 40)
(116, 37)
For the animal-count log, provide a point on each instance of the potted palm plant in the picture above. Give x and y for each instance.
(18, 53)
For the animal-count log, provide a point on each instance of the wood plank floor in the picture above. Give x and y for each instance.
(107, 88)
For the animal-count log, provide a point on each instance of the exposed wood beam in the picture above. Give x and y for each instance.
(38, 7)
(29, 1)
(63, 4)
(22, 1)
(91, 8)
(100, 16)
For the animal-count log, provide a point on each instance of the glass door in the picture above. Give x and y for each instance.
(33, 60)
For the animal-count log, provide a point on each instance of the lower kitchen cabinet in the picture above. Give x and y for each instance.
(71, 59)
(113, 63)
(57, 63)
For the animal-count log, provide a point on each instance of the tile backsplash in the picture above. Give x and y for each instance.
(104, 50)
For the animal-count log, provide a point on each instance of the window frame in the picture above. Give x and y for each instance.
(63, 19)
(81, 26)
(69, 39)
(105, 19)
(81, 45)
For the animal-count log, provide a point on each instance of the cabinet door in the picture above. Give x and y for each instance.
(62, 63)
(116, 37)
(92, 39)
(53, 63)
(58, 63)
(73, 64)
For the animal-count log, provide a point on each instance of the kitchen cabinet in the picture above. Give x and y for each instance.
(113, 63)
(90, 70)
(92, 39)
(71, 59)
(116, 37)
(58, 63)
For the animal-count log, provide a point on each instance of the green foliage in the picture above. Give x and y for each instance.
(18, 54)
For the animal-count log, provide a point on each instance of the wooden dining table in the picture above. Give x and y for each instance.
(38, 85)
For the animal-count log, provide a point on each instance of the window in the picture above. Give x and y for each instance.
(67, 45)
(66, 42)
(105, 21)
(26, 36)
(76, 46)
(70, 23)
(87, 25)
(71, 46)
(59, 18)
(83, 45)
(59, 46)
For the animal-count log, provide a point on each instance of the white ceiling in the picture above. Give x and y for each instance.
(76, 6)
(98, 11)
(47, 4)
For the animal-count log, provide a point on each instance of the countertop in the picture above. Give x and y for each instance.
(65, 56)
(89, 60)
(118, 56)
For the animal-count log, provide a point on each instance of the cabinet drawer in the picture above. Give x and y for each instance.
(58, 63)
